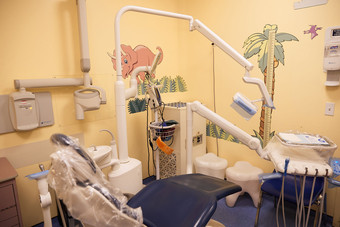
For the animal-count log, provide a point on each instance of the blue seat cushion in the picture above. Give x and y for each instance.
(185, 200)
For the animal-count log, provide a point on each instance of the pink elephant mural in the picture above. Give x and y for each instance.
(133, 58)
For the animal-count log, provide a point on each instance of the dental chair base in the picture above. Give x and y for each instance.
(131, 170)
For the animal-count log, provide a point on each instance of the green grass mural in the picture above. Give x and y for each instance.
(167, 85)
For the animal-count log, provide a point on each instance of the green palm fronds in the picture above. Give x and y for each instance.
(173, 87)
(181, 85)
(213, 130)
(257, 44)
(257, 135)
(168, 85)
(165, 84)
(137, 105)
(142, 87)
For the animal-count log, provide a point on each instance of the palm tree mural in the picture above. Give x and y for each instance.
(257, 44)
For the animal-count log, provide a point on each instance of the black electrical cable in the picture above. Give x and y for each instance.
(161, 112)
(298, 197)
(311, 197)
(148, 135)
(149, 140)
(214, 89)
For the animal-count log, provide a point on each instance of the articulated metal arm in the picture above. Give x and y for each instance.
(252, 142)
(193, 25)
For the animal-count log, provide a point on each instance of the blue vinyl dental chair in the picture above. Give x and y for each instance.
(184, 200)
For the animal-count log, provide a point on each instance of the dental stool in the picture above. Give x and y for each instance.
(245, 175)
(211, 165)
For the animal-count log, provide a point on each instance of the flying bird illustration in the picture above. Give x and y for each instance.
(312, 31)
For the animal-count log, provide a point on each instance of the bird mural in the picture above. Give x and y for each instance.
(312, 31)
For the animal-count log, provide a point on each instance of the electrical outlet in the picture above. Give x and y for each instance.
(330, 106)
(197, 139)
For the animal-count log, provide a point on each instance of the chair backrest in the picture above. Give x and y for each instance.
(82, 186)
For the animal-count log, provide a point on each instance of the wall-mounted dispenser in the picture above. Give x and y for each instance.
(23, 110)
(331, 63)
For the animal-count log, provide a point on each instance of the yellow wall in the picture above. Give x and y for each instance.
(39, 39)
(300, 94)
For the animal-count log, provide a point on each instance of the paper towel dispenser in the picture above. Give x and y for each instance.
(23, 110)
(331, 63)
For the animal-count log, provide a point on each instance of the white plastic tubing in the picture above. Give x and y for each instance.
(245, 138)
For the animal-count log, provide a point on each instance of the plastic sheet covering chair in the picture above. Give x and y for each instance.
(185, 200)
(273, 187)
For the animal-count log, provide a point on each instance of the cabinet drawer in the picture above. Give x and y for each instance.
(8, 213)
(14, 221)
(7, 198)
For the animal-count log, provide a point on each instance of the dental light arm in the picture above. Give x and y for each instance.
(119, 85)
(204, 30)
(262, 87)
(252, 142)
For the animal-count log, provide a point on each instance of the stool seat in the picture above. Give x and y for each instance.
(245, 175)
(211, 165)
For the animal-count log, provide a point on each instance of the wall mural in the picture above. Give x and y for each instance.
(256, 44)
(168, 85)
(312, 31)
(143, 56)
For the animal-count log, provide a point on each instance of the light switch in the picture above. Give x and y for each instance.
(330, 106)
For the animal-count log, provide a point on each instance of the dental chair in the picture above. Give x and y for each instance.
(184, 200)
